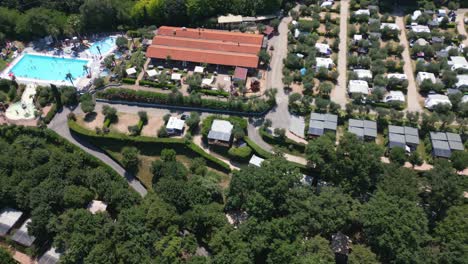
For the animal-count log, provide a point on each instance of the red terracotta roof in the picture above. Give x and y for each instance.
(206, 44)
(268, 30)
(240, 73)
(203, 56)
(210, 34)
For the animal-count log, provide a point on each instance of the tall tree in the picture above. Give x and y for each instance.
(395, 228)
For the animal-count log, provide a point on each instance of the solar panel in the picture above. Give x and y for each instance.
(359, 132)
(396, 129)
(317, 116)
(356, 123)
(370, 132)
(455, 145)
(370, 124)
(411, 131)
(414, 140)
(453, 137)
(438, 136)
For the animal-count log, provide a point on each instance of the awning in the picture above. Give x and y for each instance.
(152, 73)
(199, 69)
(131, 71)
(176, 76)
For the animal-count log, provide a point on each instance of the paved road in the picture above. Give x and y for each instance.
(413, 98)
(338, 94)
(461, 23)
(60, 126)
(279, 116)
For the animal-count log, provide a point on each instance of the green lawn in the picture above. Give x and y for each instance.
(150, 153)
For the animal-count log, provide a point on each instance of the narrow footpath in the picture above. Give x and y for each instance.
(338, 94)
(60, 125)
(413, 98)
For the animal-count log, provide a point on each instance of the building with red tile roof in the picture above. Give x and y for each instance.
(206, 46)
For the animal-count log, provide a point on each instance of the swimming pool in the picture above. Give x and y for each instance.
(48, 68)
(105, 46)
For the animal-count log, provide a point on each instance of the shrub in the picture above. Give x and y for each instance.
(130, 159)
(158, 84)
(177, 99)
(240, 153)
(162, 132)
(129, 80)
(134, 130)
(397, 155)
(51, 114)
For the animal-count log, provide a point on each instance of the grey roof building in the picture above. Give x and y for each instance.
(399, 136)
(8, 218)
(22, 236)
(52, 256)
(221, 131)
(364, 129)
(320, 124)
(444, 143)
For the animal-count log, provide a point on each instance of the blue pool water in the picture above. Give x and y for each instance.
(104, 45)
(48, 68)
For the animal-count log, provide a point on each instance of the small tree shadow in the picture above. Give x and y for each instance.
(90, 117)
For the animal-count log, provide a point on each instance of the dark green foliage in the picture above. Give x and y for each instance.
(396, 228)
(6, 257)
(130, 158)
(398, 155)
(240, 153)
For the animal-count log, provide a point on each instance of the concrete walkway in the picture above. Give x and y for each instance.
(60, 126)
(413, 98)
(338, 94)
(461, 24)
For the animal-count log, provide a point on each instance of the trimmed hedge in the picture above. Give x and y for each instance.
(122, 94)
(129, 80)
(51, 114)
(173, 143)
(257, 149)
(284, 143)
(157, 84)
(214, 92)
(241, 154)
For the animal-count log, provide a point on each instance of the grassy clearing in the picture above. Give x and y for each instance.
(148, 154)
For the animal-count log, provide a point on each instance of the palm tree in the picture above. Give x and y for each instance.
(69, 76)
(86, 69)
(99, 49)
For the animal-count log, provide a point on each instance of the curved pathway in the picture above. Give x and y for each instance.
(413, 98)
(60, 126)
(338, 94)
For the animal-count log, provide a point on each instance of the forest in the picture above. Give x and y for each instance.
(391, 214)
(30, 19)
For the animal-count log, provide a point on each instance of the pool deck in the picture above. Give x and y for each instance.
(82, 83)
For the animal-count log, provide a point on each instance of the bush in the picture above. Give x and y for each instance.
(129, 80)
(130, 159)
(162, 132)
(177, 99)
(398, 155)
(51, 114)
(158, 84)
(107, 123)
(240, 154)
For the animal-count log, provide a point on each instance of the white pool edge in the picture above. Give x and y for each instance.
(6, 71)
